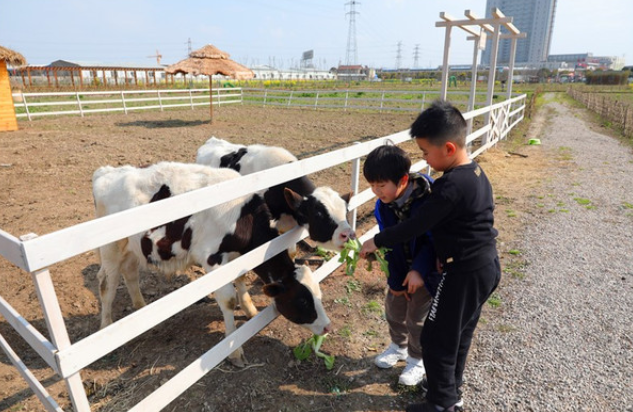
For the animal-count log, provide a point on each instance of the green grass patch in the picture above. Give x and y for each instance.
(515, 252)
(582, 201)
(627, 205)
(494, 300)
(511, 213)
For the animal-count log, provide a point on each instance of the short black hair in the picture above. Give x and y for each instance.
(386, 163)
(440, 123)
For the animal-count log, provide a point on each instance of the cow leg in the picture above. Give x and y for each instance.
(244, 298)
(129, 268)
(109, 277)
(225, 296)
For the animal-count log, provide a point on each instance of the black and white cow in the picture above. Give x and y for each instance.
(208, 238)
(320, 209)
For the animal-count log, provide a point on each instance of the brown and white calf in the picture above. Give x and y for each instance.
(208, 238)
(321, 210)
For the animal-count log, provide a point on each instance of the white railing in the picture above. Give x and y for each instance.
(380, 100)
(30, 105)
(35, 254)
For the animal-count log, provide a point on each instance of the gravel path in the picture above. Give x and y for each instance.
(564, 338)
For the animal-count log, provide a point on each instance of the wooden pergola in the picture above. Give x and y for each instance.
(478, 28)
(53, 74)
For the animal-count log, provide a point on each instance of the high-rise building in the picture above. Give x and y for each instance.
(534, 17)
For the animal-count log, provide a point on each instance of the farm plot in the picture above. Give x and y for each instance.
(45, 176)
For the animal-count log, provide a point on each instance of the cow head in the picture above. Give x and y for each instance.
(324, 211)
(298, 299)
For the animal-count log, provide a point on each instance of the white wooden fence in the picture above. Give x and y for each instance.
(30, 105)
(34, 254)
(359, 99)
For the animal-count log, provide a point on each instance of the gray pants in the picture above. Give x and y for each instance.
(406, 318)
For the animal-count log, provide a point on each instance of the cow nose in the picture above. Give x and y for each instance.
(327, 328)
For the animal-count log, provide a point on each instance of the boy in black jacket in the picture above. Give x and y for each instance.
(459, 214)
(413, 275)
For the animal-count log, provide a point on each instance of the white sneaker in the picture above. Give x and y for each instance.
(413, 373)
(391, 356)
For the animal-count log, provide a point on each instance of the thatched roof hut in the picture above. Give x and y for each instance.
(8, 121)
(11, 58)
(208, 61)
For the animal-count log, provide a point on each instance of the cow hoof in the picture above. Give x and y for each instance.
(238, 359)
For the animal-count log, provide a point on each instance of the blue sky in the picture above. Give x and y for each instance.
(278, 31)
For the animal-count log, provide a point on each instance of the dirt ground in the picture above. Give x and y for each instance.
(45, 175)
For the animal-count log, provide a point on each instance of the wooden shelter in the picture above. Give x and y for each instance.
(210, 60)
(8, 121)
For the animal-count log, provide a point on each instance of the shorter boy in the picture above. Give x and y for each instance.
(413, 276)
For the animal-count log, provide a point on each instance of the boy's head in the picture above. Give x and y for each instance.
(387, 171)
(440, 132)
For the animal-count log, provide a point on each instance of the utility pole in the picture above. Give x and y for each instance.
(351, 53)
(416, 56)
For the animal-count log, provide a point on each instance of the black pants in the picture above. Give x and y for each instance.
(449, 327)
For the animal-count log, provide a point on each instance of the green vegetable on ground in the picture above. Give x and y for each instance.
(303, 351)
(351, 254)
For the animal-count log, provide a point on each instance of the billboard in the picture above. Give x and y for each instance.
(307, 55)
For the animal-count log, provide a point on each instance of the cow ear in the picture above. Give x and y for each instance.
(293, 198)
(347, 196)
(274, 289)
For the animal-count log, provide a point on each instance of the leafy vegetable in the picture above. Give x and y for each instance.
(303, 351)
(351, 253)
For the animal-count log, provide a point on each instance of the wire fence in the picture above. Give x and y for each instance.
(613, 108)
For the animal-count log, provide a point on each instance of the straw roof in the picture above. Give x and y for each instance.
(210, 60)
(12, 58)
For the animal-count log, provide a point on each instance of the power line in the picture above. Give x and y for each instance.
(351, 52)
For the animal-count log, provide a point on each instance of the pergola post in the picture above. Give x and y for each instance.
(211, 96)
(477, 42)
(513, 52)
(447, 46)
(491, 76)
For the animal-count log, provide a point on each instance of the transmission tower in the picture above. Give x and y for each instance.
(399, 56)
(189, 50)
(416, 56)
(351, 54)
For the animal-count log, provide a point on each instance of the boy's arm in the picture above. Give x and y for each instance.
(429, 214)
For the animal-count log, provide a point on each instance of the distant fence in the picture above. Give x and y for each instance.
(609, 107)
(387, 100)
(35, 254)
(30, 105)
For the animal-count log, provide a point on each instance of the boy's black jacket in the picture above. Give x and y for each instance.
(459, 214)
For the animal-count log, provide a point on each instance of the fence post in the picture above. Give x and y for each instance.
(26, 107)
(316, 101)
(219, 98)
(123, 101)
(241, 96)
(423, 100)
(57, 330)
(81, 110)
(191, 99)
(355, 181)
(290, 98)
(346, 97)
(160, 103)
(265, 95)
(382, 98)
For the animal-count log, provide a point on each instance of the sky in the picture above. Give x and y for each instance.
(277, 32)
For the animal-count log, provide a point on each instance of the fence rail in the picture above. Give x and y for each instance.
(609, 107)
(381, 100)
(30, 105)
(35, 254)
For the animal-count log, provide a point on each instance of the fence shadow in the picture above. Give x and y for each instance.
(163, 124)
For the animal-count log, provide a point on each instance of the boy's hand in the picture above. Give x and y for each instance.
(368, 247)
(413, 281)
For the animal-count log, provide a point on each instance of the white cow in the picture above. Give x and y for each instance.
(208, 238)
(320, 209)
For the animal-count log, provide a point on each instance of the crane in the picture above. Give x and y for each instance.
(158, 56)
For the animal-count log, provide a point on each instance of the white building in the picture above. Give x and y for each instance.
(265, 72)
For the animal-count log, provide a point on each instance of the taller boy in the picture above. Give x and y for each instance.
(459, 214)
